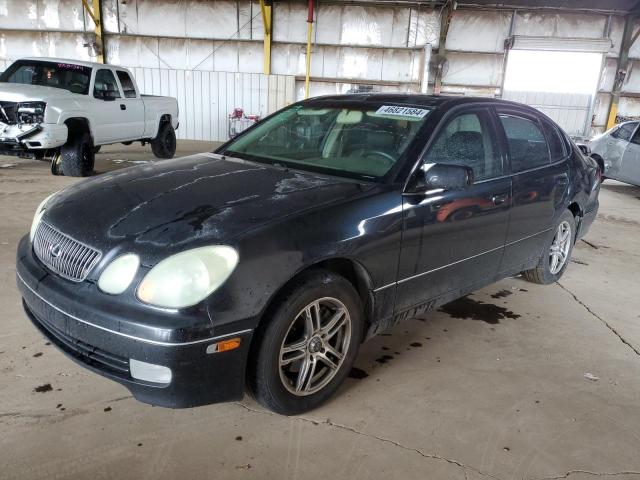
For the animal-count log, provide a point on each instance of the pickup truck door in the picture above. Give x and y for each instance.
(132, 105)
(630, 165)
(109, 117)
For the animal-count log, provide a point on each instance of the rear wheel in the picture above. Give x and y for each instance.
(556, 253)
(164, 145)
(308, 345)
(76, 156)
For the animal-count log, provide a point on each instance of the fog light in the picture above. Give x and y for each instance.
(149, 371)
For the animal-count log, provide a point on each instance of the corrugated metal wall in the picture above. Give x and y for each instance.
(205, 99)
(354, 44)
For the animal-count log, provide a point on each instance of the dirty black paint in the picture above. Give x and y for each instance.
(501, 294)
(358, 373)
(43, 388)
(467, 308)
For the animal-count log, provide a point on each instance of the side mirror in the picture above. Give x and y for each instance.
(441, 176)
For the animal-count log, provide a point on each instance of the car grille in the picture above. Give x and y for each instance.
(8, 112)
(65, 256)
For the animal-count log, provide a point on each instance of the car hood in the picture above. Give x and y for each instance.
(20, 92)
(199, 199)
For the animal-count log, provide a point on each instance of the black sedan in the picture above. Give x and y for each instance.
(267, 263)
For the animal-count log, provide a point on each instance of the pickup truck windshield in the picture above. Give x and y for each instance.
(361, 142)
(68, 76)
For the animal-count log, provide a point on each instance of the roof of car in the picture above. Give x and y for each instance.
(414, 99)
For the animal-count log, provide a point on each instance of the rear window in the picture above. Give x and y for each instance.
(127, 85)
(527, 145)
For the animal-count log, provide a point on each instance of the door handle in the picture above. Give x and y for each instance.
(498, 199)
(123, 106)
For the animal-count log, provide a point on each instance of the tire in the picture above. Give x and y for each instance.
(274, 386)
(164, 145)
(546, 271)
(76, 156)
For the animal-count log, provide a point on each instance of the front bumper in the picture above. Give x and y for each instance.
(23, 140)
(198, 377)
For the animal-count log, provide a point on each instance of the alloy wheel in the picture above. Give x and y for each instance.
(560, 246)
(315, 346)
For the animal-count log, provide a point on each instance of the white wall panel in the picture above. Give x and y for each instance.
(290, 22)
(16, 44)
(617, 29)
(607, 75)
(559, 25)
(632, 82)
(474, 31)
(205, 99)
(473, 69)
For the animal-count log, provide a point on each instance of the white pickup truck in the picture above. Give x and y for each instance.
(65, 110)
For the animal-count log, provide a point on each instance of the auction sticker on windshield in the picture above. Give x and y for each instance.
(399, 111)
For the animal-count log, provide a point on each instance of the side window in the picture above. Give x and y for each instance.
(557, 145)
(527, 145)
(128, 87)
(467, 140)
(636, 137)
(105, 85)
(625, 131)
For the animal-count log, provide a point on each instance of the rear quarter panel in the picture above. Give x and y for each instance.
(154, 108)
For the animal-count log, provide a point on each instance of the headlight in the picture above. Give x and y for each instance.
(38, 216)
(119, 274)
(31, 112)
(189, 277)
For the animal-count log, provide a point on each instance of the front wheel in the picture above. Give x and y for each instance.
(76, 156)
(556, 253)
(164, 145)
(308, 344)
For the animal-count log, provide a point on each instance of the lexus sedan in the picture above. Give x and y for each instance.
(264, 265)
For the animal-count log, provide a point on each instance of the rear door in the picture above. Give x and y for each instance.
(453, 240)
(132, 106)
(630, 165)
(539, 184)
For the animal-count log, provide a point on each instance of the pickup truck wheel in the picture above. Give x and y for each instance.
(556, 253)
(164, 145)
(77, 157)
(307, 345)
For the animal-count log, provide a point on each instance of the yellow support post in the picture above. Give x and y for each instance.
(94, 13)
(613, 112)
(266, 21)
(308, 59)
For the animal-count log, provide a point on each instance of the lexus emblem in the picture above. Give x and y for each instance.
(55, 250)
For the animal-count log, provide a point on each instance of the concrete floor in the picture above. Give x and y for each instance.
(502, 394)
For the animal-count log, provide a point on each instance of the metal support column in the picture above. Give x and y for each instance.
(621, 70)
(445, 21)
(94, 12)
(265, 8)
(308, 59)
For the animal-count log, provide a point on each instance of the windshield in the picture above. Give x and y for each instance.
(74, 78)
(364, 142)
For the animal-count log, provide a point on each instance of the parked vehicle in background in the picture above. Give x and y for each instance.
(268, 262)
(618, 152)
(66, 110)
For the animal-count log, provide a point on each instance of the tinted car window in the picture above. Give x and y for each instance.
(467, 141)
(557, 146)
(527, 145)
(128, 87)
(105, 82)
(74, 78)
(625, 131)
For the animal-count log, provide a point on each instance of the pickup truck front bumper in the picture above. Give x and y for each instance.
(24, 140)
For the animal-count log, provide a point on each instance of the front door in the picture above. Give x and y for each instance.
(109, 122)
(630, 165)
(453, 240)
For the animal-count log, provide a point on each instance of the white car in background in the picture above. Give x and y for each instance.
(65, 110)
(618, 152)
